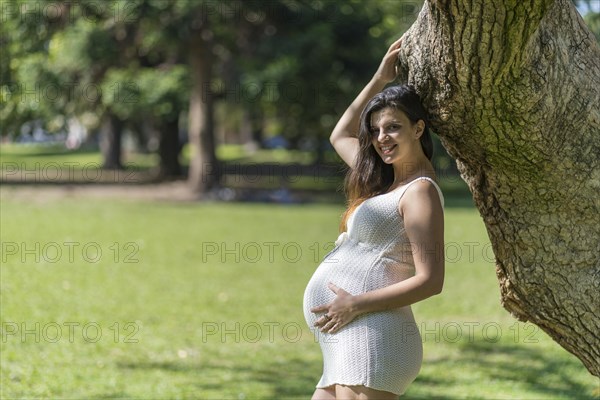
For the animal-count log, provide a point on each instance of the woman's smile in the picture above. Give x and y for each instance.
(387, 149)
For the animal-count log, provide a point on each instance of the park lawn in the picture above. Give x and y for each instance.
(121, 299)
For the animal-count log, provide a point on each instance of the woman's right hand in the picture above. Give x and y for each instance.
(344, 137)
(387, 70)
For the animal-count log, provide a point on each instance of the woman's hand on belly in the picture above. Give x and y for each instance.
(340, 312)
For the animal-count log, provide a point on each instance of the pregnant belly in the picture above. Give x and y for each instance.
(354, 268)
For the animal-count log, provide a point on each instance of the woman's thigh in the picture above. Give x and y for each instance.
(324, 394)
(343, 392)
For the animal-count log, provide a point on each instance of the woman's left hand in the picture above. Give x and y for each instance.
(337, 313)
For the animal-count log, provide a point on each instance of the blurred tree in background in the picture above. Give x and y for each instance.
(287, 67)
(204, 71)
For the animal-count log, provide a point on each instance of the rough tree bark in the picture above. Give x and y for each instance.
(512, 87)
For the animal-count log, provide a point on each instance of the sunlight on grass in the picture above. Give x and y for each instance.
(159, 300)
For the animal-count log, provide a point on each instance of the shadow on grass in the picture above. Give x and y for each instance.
(507, 365)
(533, 368)
(290, 379)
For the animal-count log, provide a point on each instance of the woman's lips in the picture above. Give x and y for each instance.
(387, 149)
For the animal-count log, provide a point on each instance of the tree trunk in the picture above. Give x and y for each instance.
(203, 172)
(513, 91)
(110, 141)
(169, 148)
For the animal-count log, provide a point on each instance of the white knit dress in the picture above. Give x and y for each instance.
(380, 350)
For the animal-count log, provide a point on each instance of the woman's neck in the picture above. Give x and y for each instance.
(407, 171)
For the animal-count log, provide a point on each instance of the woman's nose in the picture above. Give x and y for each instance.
(381, 136)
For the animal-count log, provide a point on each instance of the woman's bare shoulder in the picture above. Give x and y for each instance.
(421, 195)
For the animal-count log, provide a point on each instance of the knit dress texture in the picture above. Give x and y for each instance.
(381, 350)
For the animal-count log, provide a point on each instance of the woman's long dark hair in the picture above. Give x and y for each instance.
(371, 176)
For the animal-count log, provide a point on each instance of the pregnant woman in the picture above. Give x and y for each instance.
(390, 253)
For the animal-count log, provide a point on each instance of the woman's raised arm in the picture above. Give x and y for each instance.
(344, 137)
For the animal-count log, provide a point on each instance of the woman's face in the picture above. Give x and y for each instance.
(393, 135)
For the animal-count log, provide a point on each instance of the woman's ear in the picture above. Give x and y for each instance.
(420, 125)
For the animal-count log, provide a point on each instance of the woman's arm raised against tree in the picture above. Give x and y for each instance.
(344, 136)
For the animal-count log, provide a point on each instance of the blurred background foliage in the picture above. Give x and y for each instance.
(98, 74)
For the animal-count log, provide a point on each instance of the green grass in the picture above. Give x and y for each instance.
(181, 317)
